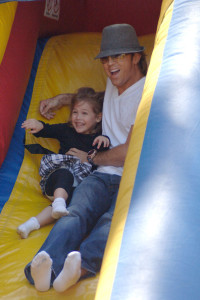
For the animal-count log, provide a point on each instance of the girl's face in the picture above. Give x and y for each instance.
(83, 117)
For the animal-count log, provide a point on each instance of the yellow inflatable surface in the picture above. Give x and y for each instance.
(7, 13)
(67, 63)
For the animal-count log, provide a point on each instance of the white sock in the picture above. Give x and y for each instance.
(59, 208)
(70, 273)
(41, 271)
(30, 225)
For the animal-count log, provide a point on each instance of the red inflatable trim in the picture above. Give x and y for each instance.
(15, 70)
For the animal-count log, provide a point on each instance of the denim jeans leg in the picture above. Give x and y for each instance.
(89, 202)
(93, 247)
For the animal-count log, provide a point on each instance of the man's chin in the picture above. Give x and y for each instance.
(114, 80)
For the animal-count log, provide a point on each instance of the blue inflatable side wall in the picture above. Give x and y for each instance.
(12, 163)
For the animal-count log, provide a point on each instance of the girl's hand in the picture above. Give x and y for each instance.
(78, 153)
(32, 125)
(101, 140)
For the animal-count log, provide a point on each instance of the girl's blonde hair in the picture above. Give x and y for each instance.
(95, 99)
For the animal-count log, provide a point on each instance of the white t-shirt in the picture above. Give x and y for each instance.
(119, 113)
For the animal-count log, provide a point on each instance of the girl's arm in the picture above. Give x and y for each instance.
(32, 125)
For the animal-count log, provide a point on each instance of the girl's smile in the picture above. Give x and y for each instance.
(83, 118)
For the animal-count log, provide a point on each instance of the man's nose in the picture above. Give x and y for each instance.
(110, 60)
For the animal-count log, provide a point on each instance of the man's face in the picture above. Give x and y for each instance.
(122, 71)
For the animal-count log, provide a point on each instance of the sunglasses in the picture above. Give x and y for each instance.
(114, 58)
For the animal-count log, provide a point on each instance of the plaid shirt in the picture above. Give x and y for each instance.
(52, 162)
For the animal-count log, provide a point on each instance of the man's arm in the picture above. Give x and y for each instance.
(48, 106)
(115, 156)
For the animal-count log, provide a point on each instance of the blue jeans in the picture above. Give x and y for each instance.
(87, 226)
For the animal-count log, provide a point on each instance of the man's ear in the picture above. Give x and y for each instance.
(136, 58)
(99, 117)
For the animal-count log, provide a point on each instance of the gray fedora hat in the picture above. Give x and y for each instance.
(118, 39)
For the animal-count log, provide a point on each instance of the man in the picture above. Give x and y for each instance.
(87, 226)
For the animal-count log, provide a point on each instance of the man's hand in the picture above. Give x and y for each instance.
(32, 125)
(99, 140)
(78, 153)
(48, 106)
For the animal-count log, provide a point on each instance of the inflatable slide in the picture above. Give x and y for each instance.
(48, 48)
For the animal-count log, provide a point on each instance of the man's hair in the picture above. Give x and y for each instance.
(143, 63)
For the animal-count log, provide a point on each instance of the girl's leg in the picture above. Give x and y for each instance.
(45, 216)
(59, 185)
(59, 204)
(34, 223)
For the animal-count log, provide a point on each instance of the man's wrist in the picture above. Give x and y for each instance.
(91, 155)
(65, 99)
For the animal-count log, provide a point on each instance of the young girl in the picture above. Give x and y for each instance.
(60, 172)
